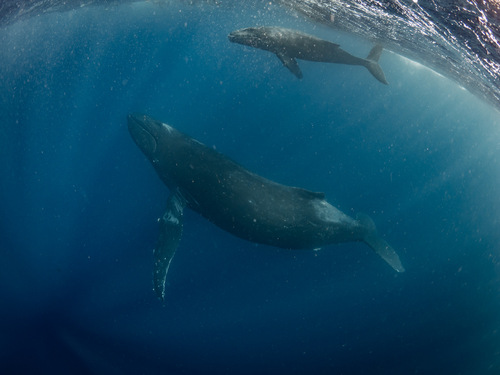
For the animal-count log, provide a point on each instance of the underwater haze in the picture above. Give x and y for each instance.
(80, 203)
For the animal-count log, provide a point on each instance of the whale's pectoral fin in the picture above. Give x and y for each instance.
(291, 64)
(378, 244)
(373, 66)
(170, 236)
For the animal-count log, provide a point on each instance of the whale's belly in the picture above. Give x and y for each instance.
(259, 210)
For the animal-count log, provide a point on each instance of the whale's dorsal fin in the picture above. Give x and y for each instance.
(170, 236)
(308, 194)
(291, 64)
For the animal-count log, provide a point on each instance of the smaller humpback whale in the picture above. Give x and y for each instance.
(239, 201)
(290, 44)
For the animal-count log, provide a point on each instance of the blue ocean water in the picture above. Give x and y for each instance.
(80, 204)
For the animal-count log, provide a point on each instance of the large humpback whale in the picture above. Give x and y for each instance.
(290, 44)
(239, 201)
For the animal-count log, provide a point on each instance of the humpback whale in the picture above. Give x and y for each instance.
(240, 202)
(290, 44)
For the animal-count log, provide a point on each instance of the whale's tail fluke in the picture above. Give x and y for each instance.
(378, 244)
(373, 66)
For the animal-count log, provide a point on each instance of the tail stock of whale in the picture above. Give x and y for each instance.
(373, 66)
(378, 244)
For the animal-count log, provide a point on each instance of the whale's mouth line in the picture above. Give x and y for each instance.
(143, 134)
(155, 143)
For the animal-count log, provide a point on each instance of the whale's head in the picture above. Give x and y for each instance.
(251, 36)
(149, 134)
(145, 132)
(163, 145)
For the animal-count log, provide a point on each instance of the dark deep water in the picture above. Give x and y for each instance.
(80, 203)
